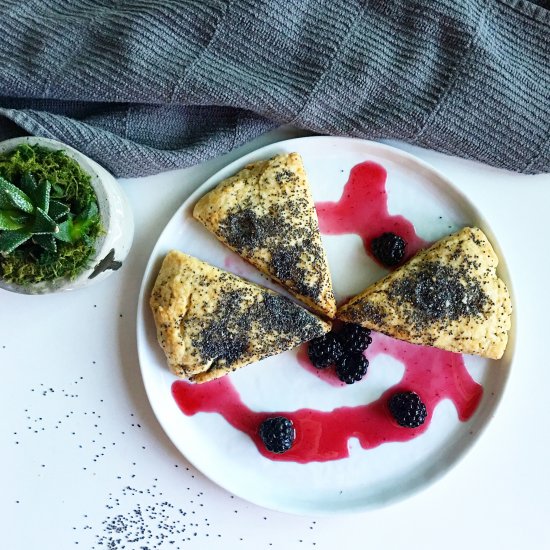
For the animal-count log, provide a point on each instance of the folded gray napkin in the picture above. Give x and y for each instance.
(144, 86)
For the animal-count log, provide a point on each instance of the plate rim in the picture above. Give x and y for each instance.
(459, 455)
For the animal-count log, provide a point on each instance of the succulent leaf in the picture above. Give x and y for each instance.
(91, 212)
(65, 231)
(57, 191)
(57, 210)
(31, 210)
(11, 196)
(74, 228)
(70, 193)
(24, 213)
(84, 220)
(28, 184)
(11, 220)
(46, 241)
(43, 223)
(42, 195)
(10, 240)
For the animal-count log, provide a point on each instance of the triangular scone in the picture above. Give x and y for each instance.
(211, 322)
(266, 214)
(447, 296)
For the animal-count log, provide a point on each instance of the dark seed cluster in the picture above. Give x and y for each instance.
(140, 512)
(96, 446)
(149, 525)
(437, 291)
(286, 265)
(249, 232)
(365, 310)
(137, 515)
(224, 334)
(285, 175)
(244, 229)
(143, 518)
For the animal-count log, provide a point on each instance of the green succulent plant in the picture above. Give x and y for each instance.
(31, 211)
(60, 239)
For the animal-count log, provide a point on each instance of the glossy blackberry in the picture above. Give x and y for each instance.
(388, 249)
(325, 350)
(278, 434)
(354, 338)
(408, 409)
(351, 368)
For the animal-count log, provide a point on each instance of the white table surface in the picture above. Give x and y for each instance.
(83, 456)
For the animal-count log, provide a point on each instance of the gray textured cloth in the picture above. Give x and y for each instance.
(145, 85)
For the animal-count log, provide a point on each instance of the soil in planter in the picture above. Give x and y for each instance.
(30, 264)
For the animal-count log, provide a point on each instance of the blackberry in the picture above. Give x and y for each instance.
(408, 409)
(278, 434)
(325, 350)
(388, 249)
(355, 338)
(352, 368)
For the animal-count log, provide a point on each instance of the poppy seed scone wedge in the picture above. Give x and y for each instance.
(210, 322)
(266, 214)
(447, 296)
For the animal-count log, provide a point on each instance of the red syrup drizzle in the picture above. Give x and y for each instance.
(323, 435)
(363, 210)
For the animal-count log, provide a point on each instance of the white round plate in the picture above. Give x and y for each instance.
(367, 478)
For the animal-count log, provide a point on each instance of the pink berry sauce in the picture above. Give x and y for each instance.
(320, 436)
(363, 210)
(432, 373)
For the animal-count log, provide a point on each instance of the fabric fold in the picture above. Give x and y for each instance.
(143, 87)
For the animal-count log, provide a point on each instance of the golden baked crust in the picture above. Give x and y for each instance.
(210, 322)
(447, 296)
(266, 214)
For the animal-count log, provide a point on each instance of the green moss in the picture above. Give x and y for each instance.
(71, 185)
